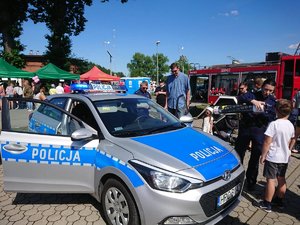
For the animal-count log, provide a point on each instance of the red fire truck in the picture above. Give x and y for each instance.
(208, 83)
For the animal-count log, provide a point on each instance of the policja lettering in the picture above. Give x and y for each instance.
(55, 155)
(206, 152)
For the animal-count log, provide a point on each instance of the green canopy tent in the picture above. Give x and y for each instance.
(50, 71)
(9, 71)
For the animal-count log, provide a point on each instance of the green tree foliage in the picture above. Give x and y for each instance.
(184, 64)
(64, 19)
(142, 65)
(163, 67)
(12, 15)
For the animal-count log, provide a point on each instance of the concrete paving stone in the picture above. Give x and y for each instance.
(42, 221)
(80, 222)
(74, 217)
(93, 217)
(78, 207)
(99, 222)
(26, 207)
(36, 217)
(17, 217)
(268, 220)
(4, 198)
(257, 217)
(54, 217)
(4, 222)
(48, 212)
(85, 212)
(8, 207)
(1, 216)
(242, 218)
(248, 213)
(61, 207)
(44, 207)
(20, 222)
(273, 215)
(285, 220)
(12, 212)
(239, 209)
(31, 212)
(234, 214)
(67, 212)
(244, 204)
(62, 221)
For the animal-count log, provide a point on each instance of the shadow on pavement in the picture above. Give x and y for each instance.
(56, 199)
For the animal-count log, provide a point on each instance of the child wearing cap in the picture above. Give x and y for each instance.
(208, 121)
(279, 139)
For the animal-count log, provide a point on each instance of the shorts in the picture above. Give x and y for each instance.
(273, 170)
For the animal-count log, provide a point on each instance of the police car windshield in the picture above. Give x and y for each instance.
(127, 117)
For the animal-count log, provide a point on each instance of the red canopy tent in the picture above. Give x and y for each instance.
(96, 74)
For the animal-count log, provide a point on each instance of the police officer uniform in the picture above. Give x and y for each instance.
(251, 128)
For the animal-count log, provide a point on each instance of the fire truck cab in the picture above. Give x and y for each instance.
(208, 83)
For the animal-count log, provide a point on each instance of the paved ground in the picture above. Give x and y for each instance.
(70, 209)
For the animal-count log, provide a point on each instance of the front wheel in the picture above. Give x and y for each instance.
(118, 205)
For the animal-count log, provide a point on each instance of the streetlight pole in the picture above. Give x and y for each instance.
(110, 56)
(157, 81)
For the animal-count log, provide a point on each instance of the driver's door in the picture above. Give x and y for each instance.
(38, 154)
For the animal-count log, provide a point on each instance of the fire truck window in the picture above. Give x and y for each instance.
(223, 84)
(298, 67)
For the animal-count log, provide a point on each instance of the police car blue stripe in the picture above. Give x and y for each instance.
(195, 149)
(64, 155)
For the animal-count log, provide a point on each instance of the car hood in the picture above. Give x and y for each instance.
(185, 151)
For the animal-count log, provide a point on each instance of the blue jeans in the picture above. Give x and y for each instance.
(29, 105)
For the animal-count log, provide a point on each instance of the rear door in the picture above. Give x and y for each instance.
(38, 154)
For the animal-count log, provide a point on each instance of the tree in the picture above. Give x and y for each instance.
(184, 63)
(142, 65)
(12, 14)
(163, 67)
(64, 19)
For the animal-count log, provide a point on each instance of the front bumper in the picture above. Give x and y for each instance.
(199, 204)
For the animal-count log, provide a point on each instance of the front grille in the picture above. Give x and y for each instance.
(208, 201)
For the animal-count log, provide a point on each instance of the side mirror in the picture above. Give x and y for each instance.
(186, 119)
(83, 134)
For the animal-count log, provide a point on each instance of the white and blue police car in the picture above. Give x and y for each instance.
(142, 164)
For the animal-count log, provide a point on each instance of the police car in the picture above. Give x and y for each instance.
(142, 164)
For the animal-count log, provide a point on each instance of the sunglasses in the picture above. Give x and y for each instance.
(145, 88)
(174, 71)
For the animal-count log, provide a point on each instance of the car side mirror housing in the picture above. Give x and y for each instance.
(83, 134)
(186, 119)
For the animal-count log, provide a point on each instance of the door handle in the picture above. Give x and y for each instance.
(15, 148)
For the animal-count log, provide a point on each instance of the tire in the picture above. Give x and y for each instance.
(118, 205)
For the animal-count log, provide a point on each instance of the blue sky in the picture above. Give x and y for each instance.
(205, 31)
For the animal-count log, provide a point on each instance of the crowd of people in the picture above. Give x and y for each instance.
(30, 89)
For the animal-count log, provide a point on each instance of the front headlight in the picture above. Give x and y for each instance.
(167, 182)
(164, 181)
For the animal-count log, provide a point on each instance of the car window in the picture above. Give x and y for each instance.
(45, 119)
(50, 112)
(83, 112)
(60, 102)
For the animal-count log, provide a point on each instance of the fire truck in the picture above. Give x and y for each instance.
(209, 83)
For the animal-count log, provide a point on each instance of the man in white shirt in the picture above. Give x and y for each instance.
(59, 89)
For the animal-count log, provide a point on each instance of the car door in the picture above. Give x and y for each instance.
(39, 154)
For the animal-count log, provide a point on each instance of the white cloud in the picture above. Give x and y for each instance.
(293, 46)
(230, 13)
(234, 12)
